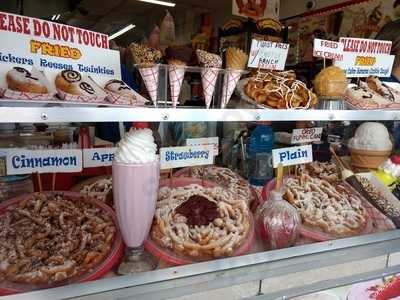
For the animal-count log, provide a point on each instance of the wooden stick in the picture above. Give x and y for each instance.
(339, 160)
(279, 178)
(39, 179)
(324, 63)
(53, 185)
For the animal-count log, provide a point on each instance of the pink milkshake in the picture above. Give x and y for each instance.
(136, 171)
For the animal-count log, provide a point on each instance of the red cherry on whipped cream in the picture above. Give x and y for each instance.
(395, 159)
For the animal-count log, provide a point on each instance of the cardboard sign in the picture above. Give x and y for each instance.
(306, 135)
(292, 156)
(268, 55)
(43, 161)
(205, 141)
(179, 157)
(328, 49)
(53, 47)
(365, 57)
(98, 157)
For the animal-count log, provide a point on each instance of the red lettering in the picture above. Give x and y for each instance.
(86, 37)
(92, 40)
(18, 20)
(46, 29)
(56, 31)
(2, 22)
(37, 29)
(26, 29)
(64, 33)
(104, 41)
(11, 25)
(71, 34)
(79, 33)
(98, 40)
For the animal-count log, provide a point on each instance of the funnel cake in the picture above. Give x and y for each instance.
(331, 209)
(49, 238)
(200, 222)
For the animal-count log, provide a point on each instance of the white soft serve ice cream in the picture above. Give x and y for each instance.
(371, 136)
(137, 147)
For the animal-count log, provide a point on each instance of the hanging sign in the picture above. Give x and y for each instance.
(306, 135)
(328, 49)
(268, 55)
(43, 161)
(186, 156)
(214, 141)
(365, 57)
(292, 156)
(52, 47)
(98, 157)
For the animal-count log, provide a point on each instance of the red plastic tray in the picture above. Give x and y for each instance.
(308, 232)
(8, 288)
(175, 259)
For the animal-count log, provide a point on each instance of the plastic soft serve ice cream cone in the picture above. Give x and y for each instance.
(209, 79)
(176, 75)
(231, 79)
(150, 77)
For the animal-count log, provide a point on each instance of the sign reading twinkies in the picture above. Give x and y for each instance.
(41, 59)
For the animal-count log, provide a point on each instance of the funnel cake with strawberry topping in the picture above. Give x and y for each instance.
(200, 222)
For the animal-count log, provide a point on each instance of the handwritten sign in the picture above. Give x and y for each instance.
(306, 135)
(365, 57)
(43, 161)
(328, 49)
(268, 55)
(292, 156)
(204, 141)
(179, 157)
(98, 157)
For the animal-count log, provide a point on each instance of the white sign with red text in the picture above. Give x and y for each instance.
(268, 55)
(53, 47)
(306, 135)
(365, 57)
(328, 49)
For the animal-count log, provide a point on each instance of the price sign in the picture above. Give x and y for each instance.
(306, 135)
(364, 57)
(186, 156)
(268, 55)
(292, 156)
(205, 141)
(98, 157)
(328, 49)
(43, 161)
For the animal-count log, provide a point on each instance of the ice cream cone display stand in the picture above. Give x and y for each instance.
(183, 162)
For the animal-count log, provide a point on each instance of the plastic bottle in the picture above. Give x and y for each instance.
(259, 152)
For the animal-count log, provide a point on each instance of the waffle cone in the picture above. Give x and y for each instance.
(150, 77)
(209, 79)
(176, 75)
(231, 79)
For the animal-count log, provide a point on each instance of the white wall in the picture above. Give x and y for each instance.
(291, 8)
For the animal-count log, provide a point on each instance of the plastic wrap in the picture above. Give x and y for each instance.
(278, 222)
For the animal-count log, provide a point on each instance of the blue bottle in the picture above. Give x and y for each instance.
(259, 153)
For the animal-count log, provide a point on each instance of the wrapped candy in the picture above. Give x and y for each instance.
(278, 222)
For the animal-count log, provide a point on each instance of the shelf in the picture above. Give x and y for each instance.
(111, 114)
(177, 281)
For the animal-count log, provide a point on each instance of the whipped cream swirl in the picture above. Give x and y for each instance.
(137, 147)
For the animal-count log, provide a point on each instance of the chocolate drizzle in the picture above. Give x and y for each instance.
(71, 76)
(26, 72)
(86, 87)
(198, 210)
(122, 84)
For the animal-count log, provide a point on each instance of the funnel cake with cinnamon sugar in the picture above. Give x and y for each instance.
(48, 238)
(331, 209)
(200, 222)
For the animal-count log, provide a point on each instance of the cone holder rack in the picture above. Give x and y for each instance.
(163, 90)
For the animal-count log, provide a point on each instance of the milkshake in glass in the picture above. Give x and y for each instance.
(136, 172)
